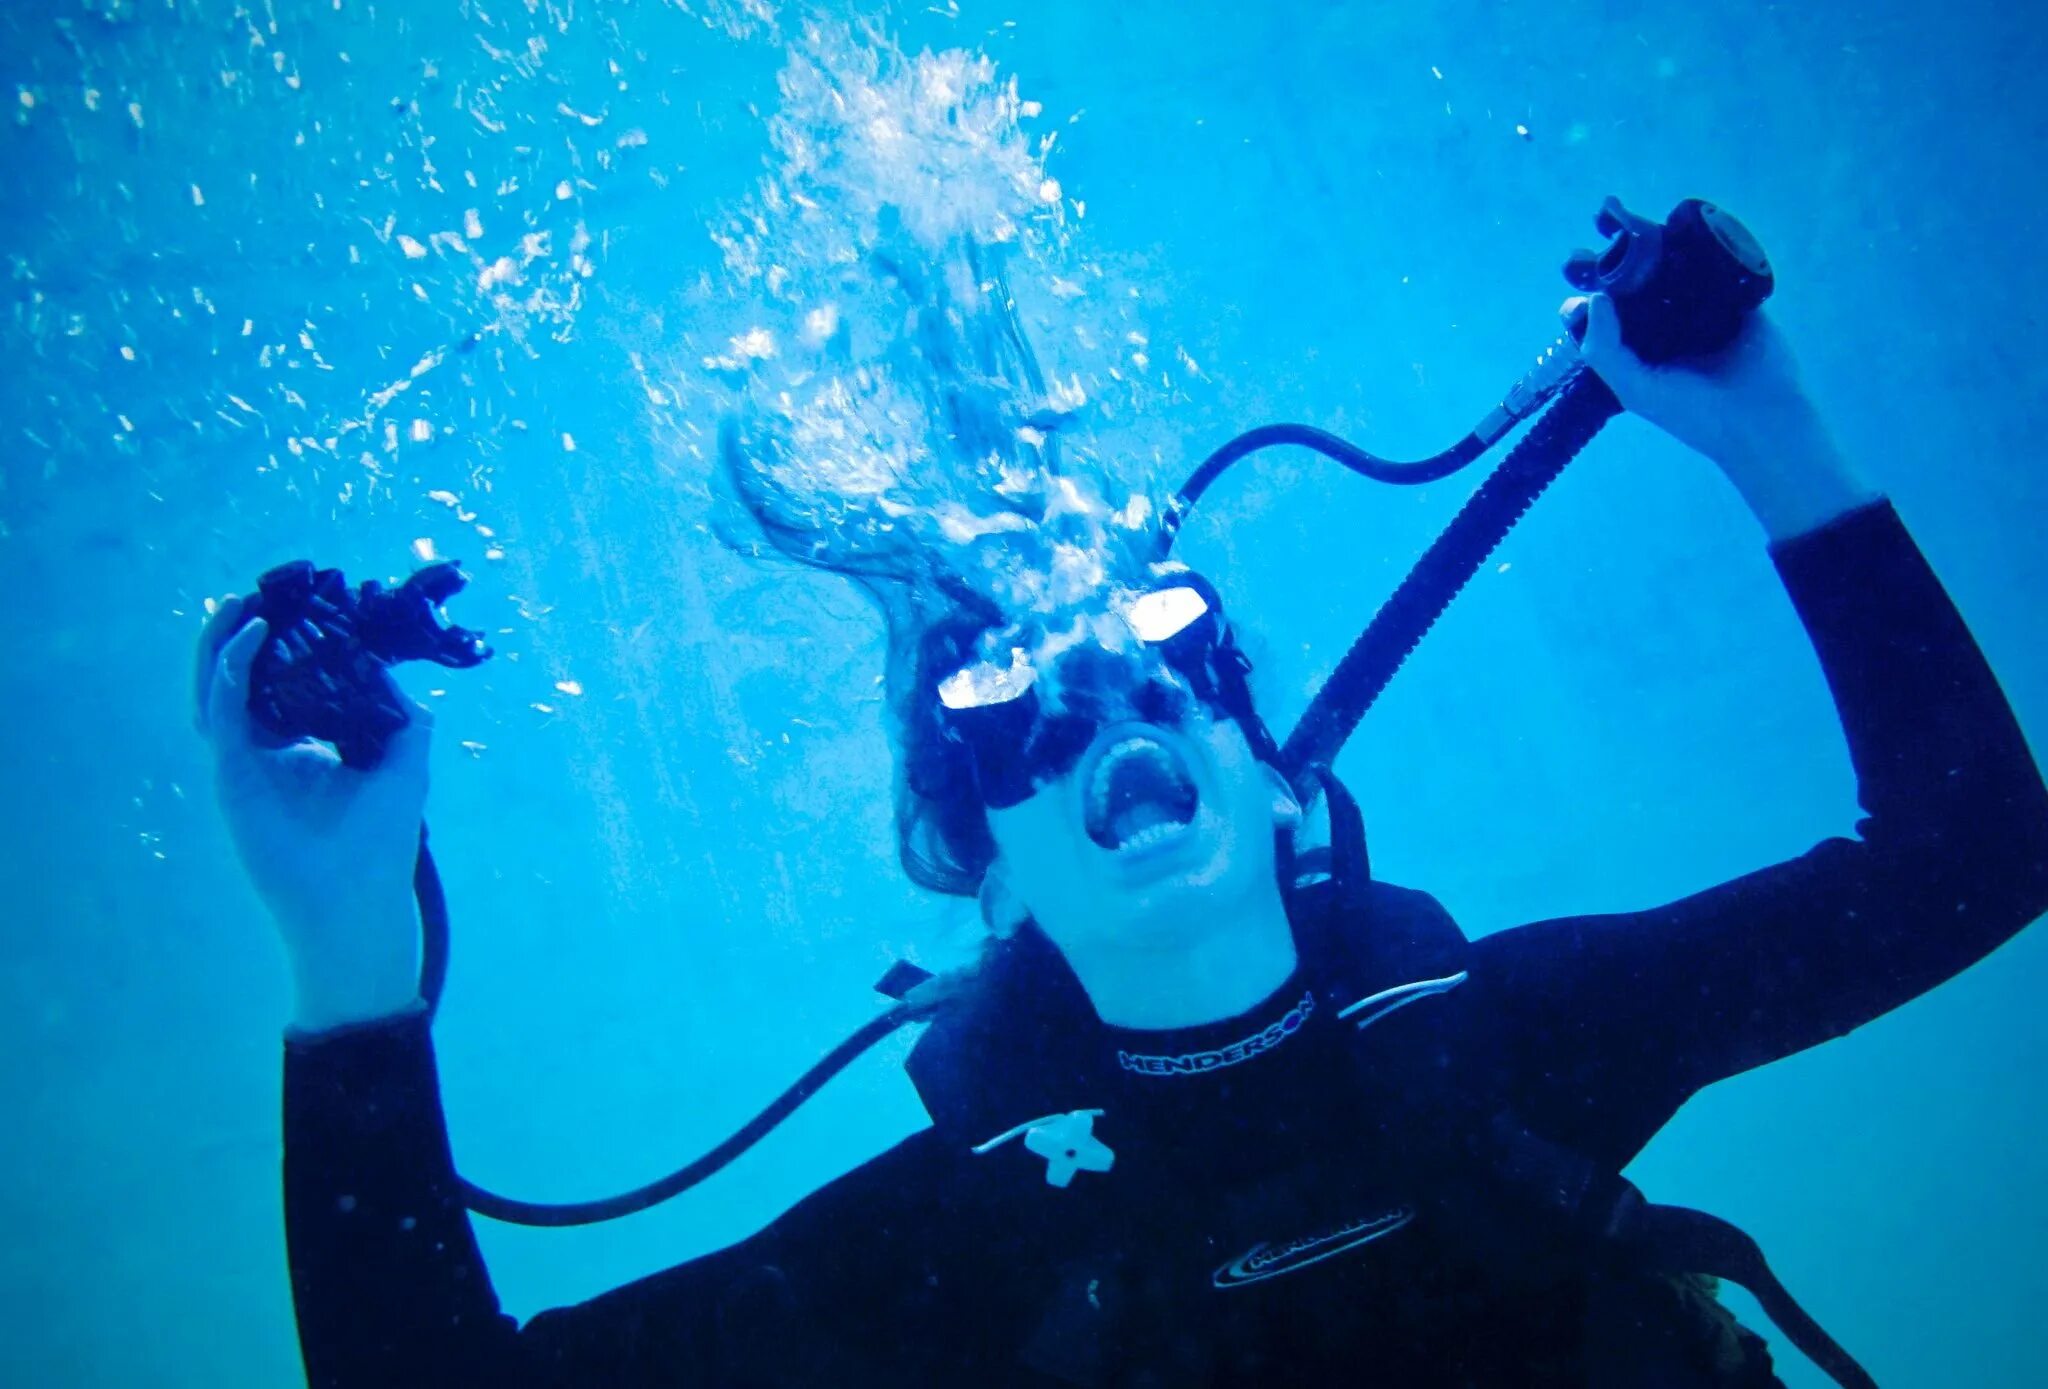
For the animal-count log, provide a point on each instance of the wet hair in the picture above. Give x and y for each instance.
(931, 623)
(942, 831)
(922, 461)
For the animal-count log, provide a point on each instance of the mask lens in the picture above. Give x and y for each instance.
(985, 683)
(1164, 613)
(997, 738)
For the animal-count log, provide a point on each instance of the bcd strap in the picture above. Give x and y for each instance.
(1605, 1209)
(1673, 1239)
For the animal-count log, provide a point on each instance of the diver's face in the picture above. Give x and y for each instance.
(1155, 829)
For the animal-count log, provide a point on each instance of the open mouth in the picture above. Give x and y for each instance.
(1140, 793)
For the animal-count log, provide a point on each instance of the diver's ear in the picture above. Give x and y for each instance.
(1002, 910)
(1286, 805)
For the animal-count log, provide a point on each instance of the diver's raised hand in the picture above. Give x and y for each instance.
(1745, 408)
(329, 848)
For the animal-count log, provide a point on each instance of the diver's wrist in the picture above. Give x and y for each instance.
(353, 970)
(1793, 478)
(326, 1010)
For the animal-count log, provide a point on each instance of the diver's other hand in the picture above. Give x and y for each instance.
(1743, 407)
(330, 849)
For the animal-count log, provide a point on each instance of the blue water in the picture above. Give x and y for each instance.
(662, 812)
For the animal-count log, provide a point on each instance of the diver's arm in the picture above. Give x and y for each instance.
(386, 1276)
(1951, 861)
(1618, 1018)
(392, 1292)
(1799, 487)
(390, 1287)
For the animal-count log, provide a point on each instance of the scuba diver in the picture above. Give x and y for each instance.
(1211, 1109)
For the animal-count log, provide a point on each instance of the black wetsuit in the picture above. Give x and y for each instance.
(1276, 1212)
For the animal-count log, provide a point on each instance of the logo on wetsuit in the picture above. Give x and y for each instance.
(1263, 1261)
(1199, 1062)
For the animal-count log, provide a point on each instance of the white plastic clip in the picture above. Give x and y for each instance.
(1067, 1142)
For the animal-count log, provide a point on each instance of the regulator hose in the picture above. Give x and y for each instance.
(434, 934)
(1558, 436)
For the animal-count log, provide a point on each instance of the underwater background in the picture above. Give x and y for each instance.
(372, 282)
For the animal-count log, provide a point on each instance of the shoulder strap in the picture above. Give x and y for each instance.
(1345, 858)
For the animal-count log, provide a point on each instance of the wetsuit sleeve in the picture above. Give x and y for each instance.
(386, 1276)
(392, 1292)
(390, 1288)
(1620, 1018)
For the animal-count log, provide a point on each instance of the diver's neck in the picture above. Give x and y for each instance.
(1225, 962)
